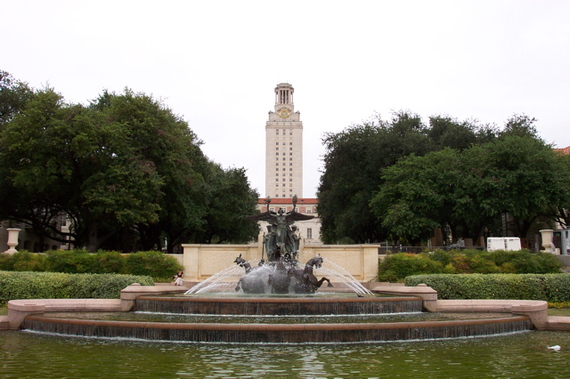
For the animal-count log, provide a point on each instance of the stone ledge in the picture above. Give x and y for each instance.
(19, 309)
(558, 323)
(65, 305)
(4, 324)
(535, 309)
(423, 291)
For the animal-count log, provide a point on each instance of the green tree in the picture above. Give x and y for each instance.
(353, 162)
(14, 95)
(518, 178)
(444, 131)
(417, 194)
(230, 200)
(172, 150)
(78, 163)
(126, 170)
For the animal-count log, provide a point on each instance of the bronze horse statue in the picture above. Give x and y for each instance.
(306, 281)
(281, 277)
(243, 263)
(249, 283)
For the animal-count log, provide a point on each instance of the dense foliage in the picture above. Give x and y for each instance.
(147, 263)
(125, 170)
(399, 266)
(47, 285)
(398, 180)
(554, 288)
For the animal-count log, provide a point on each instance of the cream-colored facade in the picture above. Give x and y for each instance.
(284, 147)
(284, 165)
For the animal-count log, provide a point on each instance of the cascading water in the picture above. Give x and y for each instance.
(260, 277)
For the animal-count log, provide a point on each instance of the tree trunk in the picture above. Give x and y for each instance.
(92, 240)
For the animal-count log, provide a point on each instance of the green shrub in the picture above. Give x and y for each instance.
(397, 266)
(22, 261)
(72, 261)
(152, 263)
(549, 287)
(109, 262)
(49, 285)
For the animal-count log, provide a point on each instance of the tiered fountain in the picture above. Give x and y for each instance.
(277, 301)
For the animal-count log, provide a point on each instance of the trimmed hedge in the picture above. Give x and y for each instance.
(554, 288)
(398, 266)
(48, 285)
(152, 263)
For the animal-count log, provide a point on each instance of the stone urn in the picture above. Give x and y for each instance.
(547, 243)
(12, 240)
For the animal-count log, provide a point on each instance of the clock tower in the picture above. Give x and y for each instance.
(284, 147)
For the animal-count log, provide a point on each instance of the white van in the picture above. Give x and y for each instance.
(503, 243)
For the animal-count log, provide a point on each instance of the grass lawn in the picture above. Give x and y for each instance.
(559, 312)
(3, 311)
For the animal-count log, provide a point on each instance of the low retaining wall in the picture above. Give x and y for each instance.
(202, 261)
(535, 310)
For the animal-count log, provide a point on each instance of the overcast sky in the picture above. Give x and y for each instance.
(216, 63)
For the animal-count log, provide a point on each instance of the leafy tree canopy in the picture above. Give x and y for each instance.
(125, 169)
(401, 179)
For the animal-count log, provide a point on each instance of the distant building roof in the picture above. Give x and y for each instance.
(565, 150)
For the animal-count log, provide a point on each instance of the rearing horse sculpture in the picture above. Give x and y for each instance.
(306, 280)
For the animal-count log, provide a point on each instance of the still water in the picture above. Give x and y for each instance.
(524, 355)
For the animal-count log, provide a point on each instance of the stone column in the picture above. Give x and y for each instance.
(547, 235)
(12, 240)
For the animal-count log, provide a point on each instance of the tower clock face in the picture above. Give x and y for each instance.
(284, 112)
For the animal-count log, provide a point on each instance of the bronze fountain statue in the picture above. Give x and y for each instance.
(281, 245)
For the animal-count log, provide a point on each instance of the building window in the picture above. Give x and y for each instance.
(309, 233)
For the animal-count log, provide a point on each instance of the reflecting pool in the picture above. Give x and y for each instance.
(522, 355)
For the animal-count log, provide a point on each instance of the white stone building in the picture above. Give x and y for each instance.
(284, 164)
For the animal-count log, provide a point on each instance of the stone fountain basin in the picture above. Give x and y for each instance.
(446, 319)
(285, 319)
(277, 333)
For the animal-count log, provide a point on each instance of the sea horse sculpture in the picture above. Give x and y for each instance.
(306, 281)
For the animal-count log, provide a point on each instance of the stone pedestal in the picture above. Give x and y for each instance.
(547, 243)
(12, 240)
